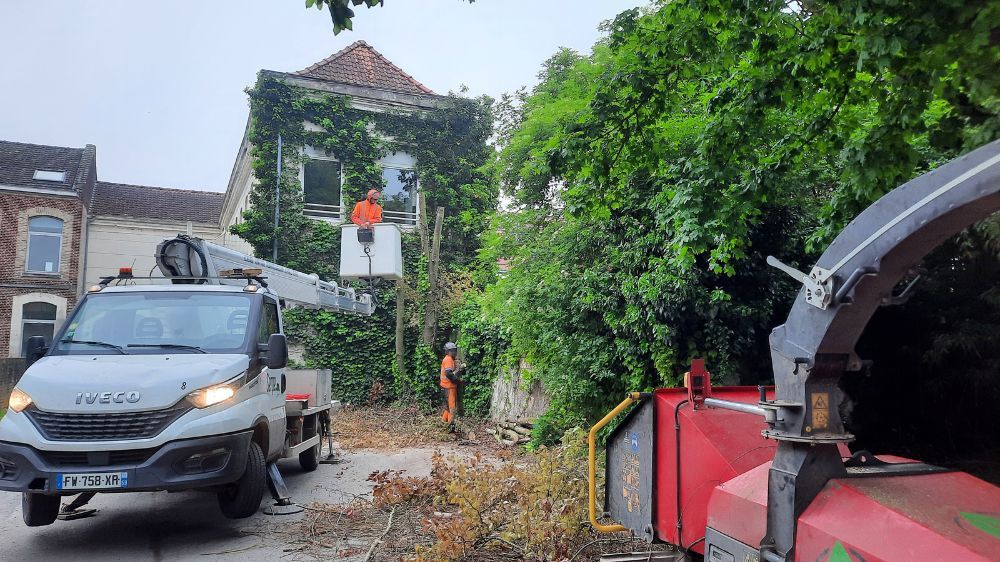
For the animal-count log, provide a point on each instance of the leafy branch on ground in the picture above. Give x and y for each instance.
(482, 508)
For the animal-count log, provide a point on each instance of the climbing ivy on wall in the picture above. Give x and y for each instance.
(449, 145)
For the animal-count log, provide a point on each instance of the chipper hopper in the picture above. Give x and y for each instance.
(743, 474)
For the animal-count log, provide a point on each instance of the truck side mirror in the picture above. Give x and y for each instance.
(277, 352)
(34, 349)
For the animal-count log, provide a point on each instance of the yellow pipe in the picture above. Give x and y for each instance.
(592, 461)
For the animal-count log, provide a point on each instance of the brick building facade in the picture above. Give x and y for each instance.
(44, 191)
(61, 229)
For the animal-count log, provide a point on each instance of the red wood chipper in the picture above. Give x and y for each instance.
(744, 474)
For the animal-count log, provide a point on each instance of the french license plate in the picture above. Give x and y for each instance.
(92, 481)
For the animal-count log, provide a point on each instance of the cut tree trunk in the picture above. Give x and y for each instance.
(509, 434)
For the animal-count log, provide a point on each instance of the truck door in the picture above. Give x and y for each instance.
(270, 323)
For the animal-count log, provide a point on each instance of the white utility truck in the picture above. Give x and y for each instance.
(173, 383)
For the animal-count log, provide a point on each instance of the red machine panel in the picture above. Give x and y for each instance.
(941, 516)
(715, 446)
(938, 516)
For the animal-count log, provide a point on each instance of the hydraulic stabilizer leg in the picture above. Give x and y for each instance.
(74, 509)
(283, 504)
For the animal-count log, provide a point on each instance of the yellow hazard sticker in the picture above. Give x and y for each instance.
(820, 409)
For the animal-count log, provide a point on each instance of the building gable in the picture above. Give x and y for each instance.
(359, 64)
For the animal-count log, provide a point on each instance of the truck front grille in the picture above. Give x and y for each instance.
(56, 426)
(108, 458)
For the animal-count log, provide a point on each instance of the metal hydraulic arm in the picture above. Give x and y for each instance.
(815, 346)
(192, 260)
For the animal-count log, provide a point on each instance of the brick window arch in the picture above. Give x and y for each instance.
(45, 237)
(34, 314)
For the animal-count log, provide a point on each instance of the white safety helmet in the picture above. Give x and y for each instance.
(450, 346)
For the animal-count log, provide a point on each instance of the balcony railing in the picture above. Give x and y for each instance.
(338, 214)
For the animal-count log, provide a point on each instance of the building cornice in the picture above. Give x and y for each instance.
(387, 98)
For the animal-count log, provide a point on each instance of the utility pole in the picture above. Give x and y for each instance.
(433, 272)
(277, 205)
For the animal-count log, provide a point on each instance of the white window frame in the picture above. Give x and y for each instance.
(49, 175)
(405, 162)
(17, 317)
(27, 250)
(311, 153)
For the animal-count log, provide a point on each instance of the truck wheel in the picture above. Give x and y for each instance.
(242, 498)
(39, 509)
(309, 459)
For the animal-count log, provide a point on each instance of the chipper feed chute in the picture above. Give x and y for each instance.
(813, 501)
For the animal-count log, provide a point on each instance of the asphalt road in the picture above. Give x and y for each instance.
(188, 526)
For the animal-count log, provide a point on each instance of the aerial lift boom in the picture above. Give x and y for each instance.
(187, 259)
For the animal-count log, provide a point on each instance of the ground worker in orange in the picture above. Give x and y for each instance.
(450, 382)
(367, 212)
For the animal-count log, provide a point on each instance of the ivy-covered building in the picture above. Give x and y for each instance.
(371, 83)
(349, 123)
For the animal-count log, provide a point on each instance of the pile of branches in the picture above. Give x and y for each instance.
(387, 427)
(478, 509)
(511, 433)
(361, 531)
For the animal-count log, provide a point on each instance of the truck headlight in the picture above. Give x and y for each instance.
(19, 400)
(212, 395)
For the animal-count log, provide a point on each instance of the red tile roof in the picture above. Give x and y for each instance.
(359, 64)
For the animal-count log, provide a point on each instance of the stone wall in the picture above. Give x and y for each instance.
(511, 401)
(10, 372)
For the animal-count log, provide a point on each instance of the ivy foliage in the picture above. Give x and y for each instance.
(448, 143)
(652, 177)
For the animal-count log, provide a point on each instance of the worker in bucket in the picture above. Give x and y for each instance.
(450, 382)
(367, 212)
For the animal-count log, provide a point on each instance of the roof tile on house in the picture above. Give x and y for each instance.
(144, 202)
(19, 161)
(360, 64)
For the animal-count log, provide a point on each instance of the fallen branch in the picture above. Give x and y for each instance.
(371, 550)
(232, 550)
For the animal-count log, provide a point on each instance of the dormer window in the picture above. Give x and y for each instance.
(50, 175)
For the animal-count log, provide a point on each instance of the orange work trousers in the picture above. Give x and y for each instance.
(449, 411)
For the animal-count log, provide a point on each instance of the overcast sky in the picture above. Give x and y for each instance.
(158, 86)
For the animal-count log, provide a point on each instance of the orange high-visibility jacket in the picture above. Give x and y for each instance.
(365, 211)
(447, 363)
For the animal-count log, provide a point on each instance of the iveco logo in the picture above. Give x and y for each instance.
(107, 397)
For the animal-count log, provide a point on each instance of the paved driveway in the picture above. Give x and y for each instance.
(188, 526)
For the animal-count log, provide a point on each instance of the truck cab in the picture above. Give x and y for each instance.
(178, 382)
(151, 387)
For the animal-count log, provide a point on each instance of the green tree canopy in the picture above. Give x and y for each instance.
(651, 177)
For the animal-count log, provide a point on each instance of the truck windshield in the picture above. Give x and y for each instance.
(157, 322)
